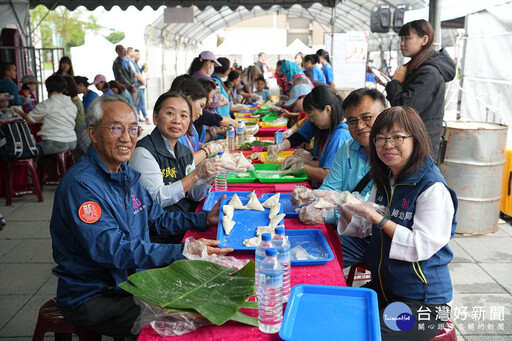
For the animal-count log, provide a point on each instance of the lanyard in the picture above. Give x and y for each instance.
(325, 144)
(191, 144)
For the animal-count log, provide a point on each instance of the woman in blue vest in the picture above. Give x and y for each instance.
(330, 130)
(409, 253)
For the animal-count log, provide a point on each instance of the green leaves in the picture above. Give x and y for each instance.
(215, 291)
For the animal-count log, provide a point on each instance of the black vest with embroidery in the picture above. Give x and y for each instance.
(173, 168)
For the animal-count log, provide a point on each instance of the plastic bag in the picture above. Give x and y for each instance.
(165, 323)
(359, 226)
(196, 250)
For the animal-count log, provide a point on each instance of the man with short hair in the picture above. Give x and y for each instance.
(262, 57)
(350, 166)
(101, 220)
(124, 74)
(141, 81)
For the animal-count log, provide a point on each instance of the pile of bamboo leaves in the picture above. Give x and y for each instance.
(214, 291)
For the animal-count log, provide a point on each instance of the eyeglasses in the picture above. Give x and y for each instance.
(396, 140)
(355, 121)
(118, 130)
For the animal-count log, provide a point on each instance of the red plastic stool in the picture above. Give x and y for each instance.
(50, 320)
(58, 162)
(447, 334)
(359, 267)
(11, 190)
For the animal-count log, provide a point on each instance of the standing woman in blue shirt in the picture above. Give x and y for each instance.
(330, 130)
(323, 57)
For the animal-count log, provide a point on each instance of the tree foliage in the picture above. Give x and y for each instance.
(115, 37)
(62, 28)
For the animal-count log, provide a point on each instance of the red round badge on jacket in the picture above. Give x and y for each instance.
(89, 212)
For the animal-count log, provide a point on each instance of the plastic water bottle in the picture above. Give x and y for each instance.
(231, 136)
(221, 180)
(260, 255)
(240, 134)
(270, 295)
(283, 247)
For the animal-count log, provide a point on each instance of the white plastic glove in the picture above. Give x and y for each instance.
(302, 195)
(212, 167)
(333, 197)
(311, 215)
(214, 148)
(288, 132)
(365, 209)
(300, 155)
(296, 168)
(289, 161)
(274, 150)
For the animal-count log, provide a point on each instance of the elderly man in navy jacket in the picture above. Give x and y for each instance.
(100, 225)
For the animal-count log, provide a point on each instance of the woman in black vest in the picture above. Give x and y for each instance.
(166, 165)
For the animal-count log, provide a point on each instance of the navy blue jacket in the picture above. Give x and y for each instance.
(100, 230)
(428, 280)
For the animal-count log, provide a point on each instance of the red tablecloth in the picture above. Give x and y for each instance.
(327, 274)
(267, 132)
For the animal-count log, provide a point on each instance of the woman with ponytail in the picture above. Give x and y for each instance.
(420, 83)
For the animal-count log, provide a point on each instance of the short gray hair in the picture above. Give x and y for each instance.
(95, 111)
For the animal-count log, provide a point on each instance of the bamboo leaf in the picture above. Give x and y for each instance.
(246, 319)
(215, 291)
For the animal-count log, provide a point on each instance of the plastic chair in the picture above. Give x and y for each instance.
(361, 268)
(50, 320)
(11, 190)
(59, 164)
(447, 334)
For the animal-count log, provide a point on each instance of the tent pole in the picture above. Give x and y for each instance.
(333, 18)
(462, 62)
(434, 17)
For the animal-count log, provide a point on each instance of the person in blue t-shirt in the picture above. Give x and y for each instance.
(82, 84)
(323, 57)
(310, 64)
(260, 88)
(218, 74)
(330, 130)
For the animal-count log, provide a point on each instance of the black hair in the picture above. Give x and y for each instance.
(71, 89)
(172, 94)
(225, 65)
(196, 65)
(55, 83)
(407, 119)
(190, 87)
(319, 98)
(355, 97)
(176, 83)
(67, 60)
(82, 80)
(323, 53)
(233, 74)
(4, 67)
(313, 58)
(228, 85)
(260, 78)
